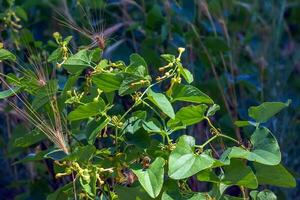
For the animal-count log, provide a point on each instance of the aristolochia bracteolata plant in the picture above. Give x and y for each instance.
(118, 132)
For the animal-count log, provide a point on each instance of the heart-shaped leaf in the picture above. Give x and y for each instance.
(265, 148)
(183, 162)
(263, 195)
(152, 178)
(79, 61)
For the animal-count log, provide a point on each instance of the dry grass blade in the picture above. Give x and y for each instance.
(95, 30)
(51, 126)
(53, 131)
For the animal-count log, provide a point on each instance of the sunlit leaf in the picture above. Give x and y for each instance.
(189, 93)
(86, 110)
(266, 110)
(6, 55)
(184, 162)
(161, 101)
(79, 61)
(107, 82)
(188, 115)
(152, 178)
(265, 148)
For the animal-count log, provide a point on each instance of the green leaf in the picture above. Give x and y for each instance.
(228, 197)
(79, 61)
(136, 71)
(56, 154)
(152, 178)
(189, 93)
(139, 138)
(56, 55)
(21, 13)
(188, 76)
(96, 129)
(42, 95)
(68, 86)
(86, 110)
(263, 195)
(29, 139)
(265, 111)
(212, 110)
(152, 126)
(134, 193)
(155, 17)
(265, 148)
(135, 62)
(81, 154)
(161, 101)
(33, 157)
(238, 173)
(10, 92)
(208, 175)
(244, 123)
(188, 115)
(275, 175)
(177, 196)
(183, 162)
(107, 82)
(126, 86)
(7, 55)
(61, 193)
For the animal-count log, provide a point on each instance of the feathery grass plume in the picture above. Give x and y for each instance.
(91, 13)
(35, 80)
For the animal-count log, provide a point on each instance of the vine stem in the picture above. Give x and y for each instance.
(217, 134)
(209, 141)
(243, 193)
(230, 138)
(212, 126)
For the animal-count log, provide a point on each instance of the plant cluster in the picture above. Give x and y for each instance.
(104, 152)
(103, 114)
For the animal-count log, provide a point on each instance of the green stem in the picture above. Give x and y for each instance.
(228, 137)
(219, 134)
(208, 141)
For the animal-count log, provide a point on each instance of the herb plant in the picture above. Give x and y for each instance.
(109, 129)
(102, 151)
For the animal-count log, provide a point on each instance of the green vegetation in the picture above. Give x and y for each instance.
(173, 100)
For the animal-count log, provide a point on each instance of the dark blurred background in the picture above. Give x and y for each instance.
(241, 52)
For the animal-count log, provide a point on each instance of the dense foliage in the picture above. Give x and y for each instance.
(138, 118)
